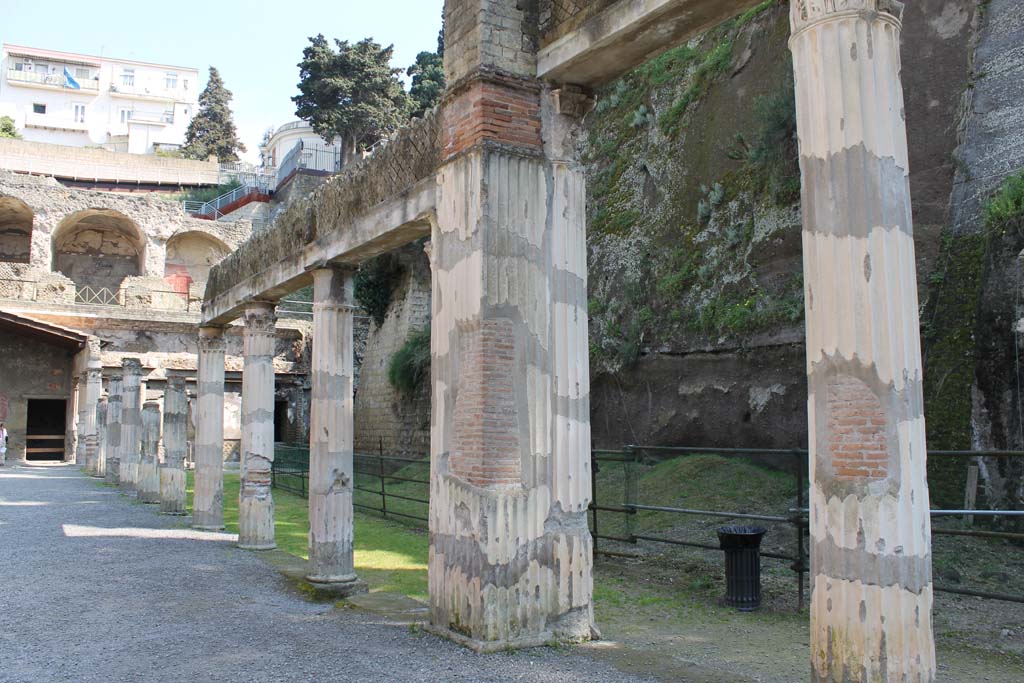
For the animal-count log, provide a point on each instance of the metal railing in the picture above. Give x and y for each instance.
(372, 474)
(311, 158)
(167, 300)
(57, 80)
(166, 116)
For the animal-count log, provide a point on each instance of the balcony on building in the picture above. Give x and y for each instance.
(28, 72)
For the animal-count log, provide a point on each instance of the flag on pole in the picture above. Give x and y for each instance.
(69, 80)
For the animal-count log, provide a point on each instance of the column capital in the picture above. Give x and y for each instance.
(573, 100)
(211, 339)
(131, 367)
(260, 317)
(94, 371)
(806, 13)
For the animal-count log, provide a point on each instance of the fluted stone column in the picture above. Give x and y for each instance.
(115, 415)
(131, 425)
(172, 470)
(510, 552)
(871, 577)
(81, 417)
(93, 389)
(71, 453)
(256, 504)
(208, 501)
(149, 463)
(101, 438)
(331, 433)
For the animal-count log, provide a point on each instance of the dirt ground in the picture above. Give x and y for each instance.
(660, 616)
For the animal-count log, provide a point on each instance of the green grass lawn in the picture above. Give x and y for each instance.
(388, 556)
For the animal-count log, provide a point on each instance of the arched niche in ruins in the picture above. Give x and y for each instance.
(98, 248)
(15, 230)
(190, 255)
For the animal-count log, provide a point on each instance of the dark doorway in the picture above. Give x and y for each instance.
(280, 421)
(44, 437)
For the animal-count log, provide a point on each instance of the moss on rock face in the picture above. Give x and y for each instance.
(693, 222)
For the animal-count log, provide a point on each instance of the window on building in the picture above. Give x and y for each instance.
(23, 66)
(128, 77)
(79, 113)
(126, 115)
(184, 83)
(81, 72)
(38, 108)
(171, 81)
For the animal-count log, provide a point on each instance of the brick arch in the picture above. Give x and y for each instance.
(98, 248)
(16, 219)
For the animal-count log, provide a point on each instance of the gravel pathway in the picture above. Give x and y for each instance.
(95, 587)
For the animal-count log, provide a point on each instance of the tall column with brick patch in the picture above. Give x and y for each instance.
(208, 502)
(172, 469)
(149, 461)
(870, 534)
(510, 551)
(131, 425)
(101, 438)
(255, 502)
(115, 414)
(93, 388)
(331, 433)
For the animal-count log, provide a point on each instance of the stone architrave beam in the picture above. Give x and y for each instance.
(208, 504)
(626, 35)
(389, 225)
(172, 470)
(149, 463)
(871, 581)
(256, 502)
(131, 425)
(332, 433)
(115, 416)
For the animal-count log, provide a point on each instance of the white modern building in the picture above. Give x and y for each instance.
(286, 137)
(81, 100)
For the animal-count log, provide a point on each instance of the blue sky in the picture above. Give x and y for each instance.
(255, 45)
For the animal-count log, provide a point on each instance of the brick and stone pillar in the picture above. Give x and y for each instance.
(256, 504)
(172, 470)
(871, 582)
(331, 432)
(115, 415)
(510, 551)
(131, 425)
(93, 389)
(208, 501)
(101, 438)
(149, 462)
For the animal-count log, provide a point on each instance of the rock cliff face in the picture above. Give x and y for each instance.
(696, 291)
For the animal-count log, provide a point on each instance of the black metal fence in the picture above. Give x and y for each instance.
(374, 473)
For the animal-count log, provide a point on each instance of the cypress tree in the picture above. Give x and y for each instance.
(212, 130)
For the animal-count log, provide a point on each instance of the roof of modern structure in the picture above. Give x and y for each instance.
(46, 332)
(74, 57)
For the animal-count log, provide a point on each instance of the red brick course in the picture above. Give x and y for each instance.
(489, 110)
(486, 439)
(857, 436)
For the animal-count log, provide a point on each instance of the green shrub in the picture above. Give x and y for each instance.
(375, 283)
(410, 365)
(1007, 204)
(206, 194)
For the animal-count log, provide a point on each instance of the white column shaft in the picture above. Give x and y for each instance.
(256, 504)
(208, 502)
(172, 470)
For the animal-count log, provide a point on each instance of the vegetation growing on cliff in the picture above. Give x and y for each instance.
(375, 282)
(410, 365)
(693, 182)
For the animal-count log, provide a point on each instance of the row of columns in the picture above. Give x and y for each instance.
(121, 437)
(331, 564)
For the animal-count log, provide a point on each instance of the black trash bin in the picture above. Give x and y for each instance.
(742, 546)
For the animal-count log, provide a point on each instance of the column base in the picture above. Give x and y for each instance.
(492, 646)
(207, 527)
(176, 514)
(338, 589)
(268, 546)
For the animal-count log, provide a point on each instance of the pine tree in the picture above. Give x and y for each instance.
(212, 130)
(352, 93)
(427, 81)
(8, 129)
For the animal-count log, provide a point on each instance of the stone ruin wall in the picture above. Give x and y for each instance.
(383, 418)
